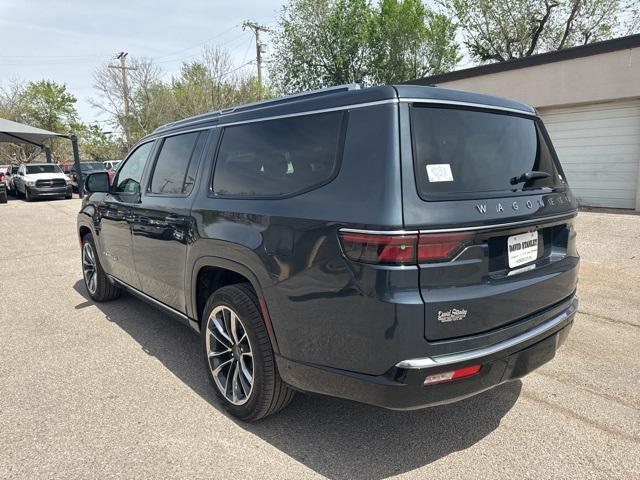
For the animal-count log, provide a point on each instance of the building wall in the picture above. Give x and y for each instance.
(586, 83)
(603, 77)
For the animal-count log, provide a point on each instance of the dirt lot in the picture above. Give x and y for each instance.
(119, 390)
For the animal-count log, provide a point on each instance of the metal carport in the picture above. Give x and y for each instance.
(14, 132)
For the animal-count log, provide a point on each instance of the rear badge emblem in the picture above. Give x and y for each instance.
(452, 315)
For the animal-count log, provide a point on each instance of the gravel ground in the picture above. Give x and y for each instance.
(118, 390)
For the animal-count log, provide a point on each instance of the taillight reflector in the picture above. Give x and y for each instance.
(452, 375)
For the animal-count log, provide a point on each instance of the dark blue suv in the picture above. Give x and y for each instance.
(401, 246)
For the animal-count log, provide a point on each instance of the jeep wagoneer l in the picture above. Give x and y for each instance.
(400, 246)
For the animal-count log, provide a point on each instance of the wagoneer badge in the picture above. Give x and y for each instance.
(452, 315)
(515, 206)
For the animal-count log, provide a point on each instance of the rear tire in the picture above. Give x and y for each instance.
(98, 285)
(260, 391)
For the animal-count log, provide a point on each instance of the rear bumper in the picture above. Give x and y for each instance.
(401, 388)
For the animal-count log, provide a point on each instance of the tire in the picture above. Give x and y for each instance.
(3, 197)
(17, 193)
(103, 289)
(27, 196)
(68, 196)
(267, 393)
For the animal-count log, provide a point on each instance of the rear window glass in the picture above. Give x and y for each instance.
(278, 157)
(466, 153)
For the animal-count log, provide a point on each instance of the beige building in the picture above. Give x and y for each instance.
(589, 100)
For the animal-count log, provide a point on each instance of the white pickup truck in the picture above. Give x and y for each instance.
(35, 180)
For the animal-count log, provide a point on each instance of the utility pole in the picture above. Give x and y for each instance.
(260, 49)
(122, 56)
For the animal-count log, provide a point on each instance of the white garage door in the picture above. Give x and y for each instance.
(599, 148)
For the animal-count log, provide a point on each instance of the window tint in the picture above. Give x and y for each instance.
(130, 175)
(174, 172)
(278, 157)
(464, 152)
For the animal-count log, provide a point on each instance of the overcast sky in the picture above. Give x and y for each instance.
(66, 40)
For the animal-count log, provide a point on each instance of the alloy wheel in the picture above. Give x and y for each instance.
(89, 268)
(229, 355)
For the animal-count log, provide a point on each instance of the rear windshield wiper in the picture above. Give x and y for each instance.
(528, 176)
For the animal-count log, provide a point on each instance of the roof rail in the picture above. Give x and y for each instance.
(260, 104)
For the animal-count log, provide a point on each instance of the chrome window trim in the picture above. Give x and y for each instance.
(221, 122)
(452, 358)
(468, 104)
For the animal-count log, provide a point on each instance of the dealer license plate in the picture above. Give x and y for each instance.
(522, 248)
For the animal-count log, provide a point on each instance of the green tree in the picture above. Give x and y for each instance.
(320, 43)
(49, 105)
(409, 41)
(44, 104)
(509, 29)
(95, 144)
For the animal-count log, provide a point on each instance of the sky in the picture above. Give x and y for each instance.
(67, 40)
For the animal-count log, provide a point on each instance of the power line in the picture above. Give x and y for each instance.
(196, 45)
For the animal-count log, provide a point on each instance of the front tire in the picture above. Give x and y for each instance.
(27, 195)
(98, 285)
(238, 355)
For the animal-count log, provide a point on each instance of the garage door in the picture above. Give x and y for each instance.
(599, 147)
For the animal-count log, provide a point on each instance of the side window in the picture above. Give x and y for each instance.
(174, 172)
(129, 177)
(280, 157)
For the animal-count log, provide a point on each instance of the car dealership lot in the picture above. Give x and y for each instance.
(119, 389)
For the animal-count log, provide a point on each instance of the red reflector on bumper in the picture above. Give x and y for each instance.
(452, 375)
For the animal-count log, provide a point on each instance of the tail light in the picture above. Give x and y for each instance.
(383, 249)
(437, 247)
(1, 176)
(393, 249)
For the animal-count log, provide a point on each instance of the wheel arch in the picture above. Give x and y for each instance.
(231, 272)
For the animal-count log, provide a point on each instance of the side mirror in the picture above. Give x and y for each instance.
(97, 182)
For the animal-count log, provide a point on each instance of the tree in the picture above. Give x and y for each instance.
(206, 84)
(49, 105)
(142, 82)
(43, 104)
(409, 41)
(95, 144)
(509, 29)
(320, 43)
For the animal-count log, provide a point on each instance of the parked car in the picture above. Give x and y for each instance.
(111, 165)
(399, 246)
(86, 168)
(3, 184)
(9, 175)
(35, 180)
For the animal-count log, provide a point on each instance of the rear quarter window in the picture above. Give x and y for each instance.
(461, 153)
(277, 158)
